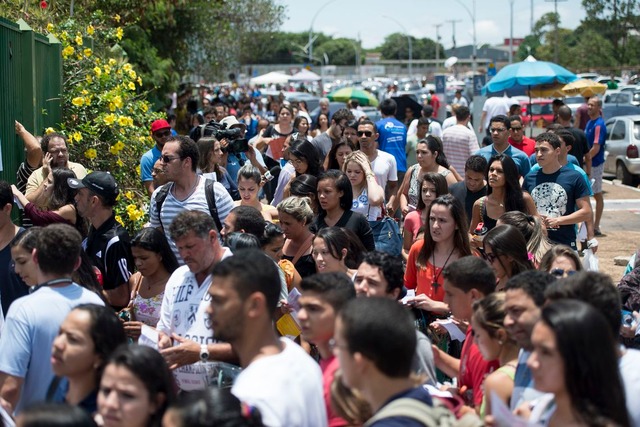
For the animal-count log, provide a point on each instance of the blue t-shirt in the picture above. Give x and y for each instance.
(518, 156)
(596, 132)
(393, 140)
(418, 393)
(28, 334)
(555, 195)
(234, 163)
(570, 165)
(147, 161)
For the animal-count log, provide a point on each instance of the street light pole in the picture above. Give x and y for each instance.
(472, 14)
(438, 44)
(313, 20)
(410, 45)
(511, 34)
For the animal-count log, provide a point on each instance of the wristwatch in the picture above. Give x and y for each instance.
(204, 353)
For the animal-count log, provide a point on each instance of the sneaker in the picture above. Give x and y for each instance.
(598, 233)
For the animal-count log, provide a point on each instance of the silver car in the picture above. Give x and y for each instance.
(622, 146)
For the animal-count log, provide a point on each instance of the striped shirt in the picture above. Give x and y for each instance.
(459, 143)
(196, 202)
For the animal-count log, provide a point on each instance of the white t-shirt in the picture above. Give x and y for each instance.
(285, 387)
(435, 128)
(385, 168)
(361, 205)
(494, 107)
(629, 365)
(183, 313)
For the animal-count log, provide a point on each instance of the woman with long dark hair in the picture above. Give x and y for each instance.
(505, 249)
(305, 158)
(87, 336)
(431, 158)
(575, 358)
(338, 153)
(432, 185)
(533, 231)
(210, 165)
(59, 201)
(155, 262)
(335, 197)
(445, 241)
(301, 124)
(504, 194)
(334, 250)
(321, 125)
(306, 186)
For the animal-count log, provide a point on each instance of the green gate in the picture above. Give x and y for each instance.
(30, 89)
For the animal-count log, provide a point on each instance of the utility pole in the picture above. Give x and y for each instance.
(511, 33)
(453, 28)
(555, 48)
(438, 44)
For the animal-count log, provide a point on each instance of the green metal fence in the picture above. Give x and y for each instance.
(30, 88)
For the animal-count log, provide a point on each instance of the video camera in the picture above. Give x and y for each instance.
(234, 136)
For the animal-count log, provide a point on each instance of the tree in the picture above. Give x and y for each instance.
(615, 20)
(340, 51)
(396, 46)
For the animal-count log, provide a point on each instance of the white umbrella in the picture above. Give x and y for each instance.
(304, 75)
(274, 77)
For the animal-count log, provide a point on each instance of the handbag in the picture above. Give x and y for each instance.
(386, 234)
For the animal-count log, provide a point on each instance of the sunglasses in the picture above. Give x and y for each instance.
(366, 133)
(168, 159)
(162, 134)
(516, 129)
(498, 130)
(559, 273)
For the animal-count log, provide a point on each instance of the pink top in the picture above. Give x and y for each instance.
(413, 222)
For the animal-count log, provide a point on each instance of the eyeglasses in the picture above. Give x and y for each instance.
(490, 257)
(168, 159)
(559, 272)
(516, 129)
(162, 134)
(498, 130)
(366, 133)
(297, 162)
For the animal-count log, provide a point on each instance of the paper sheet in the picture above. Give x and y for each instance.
(454, 332)
(148, 337)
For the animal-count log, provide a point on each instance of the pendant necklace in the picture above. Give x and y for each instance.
(436, 276)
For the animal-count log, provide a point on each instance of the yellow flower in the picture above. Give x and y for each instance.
(49, 130)
(98, 71)
(131, 86)
(117, 18)
(117, 100)
(77, 136)
(127, 67)
(64, 36)
(107, 69)
(68, 51)
(87, 52)
(109, 119)
(91, 153)
(78, 101)
(112, 62)
(79, 40)
(49, 27)
(139, 81)
(90, 30)
(89, 78)
(119, 219)
(119, 33)
(144, 107)
(85, 92)
(122, 121)
(138, 169)
(119, 163)
(112, 106)
(119, 145)
(132, 74)
(113, 150)
(129, 195)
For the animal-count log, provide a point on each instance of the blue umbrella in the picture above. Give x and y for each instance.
(527, 74)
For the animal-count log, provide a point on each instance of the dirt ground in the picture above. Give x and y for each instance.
(621, 229)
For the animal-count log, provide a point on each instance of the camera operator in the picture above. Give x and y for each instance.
(237, 151)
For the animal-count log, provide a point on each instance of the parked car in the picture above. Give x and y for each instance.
(621, 149)
(574, 102)
(615, 110)
(541, 112)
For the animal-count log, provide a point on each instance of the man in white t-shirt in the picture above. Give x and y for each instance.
(278, 376)
(33, 321)
(492, 107)
(186, 339)
(383, 164)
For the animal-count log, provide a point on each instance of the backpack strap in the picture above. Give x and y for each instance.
(209, 191)
(416, 410)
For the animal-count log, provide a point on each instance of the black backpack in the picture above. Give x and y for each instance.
(209, 192)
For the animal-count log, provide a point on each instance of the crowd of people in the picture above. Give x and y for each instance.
(333, 272)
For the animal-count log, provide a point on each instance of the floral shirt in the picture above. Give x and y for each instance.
(147, 310)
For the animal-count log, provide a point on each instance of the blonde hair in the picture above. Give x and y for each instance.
(297, 207)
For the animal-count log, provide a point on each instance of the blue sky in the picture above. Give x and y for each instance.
(366, 18)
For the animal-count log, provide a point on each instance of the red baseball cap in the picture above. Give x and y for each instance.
(159, 124)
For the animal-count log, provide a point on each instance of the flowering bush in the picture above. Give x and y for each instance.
(105, 116)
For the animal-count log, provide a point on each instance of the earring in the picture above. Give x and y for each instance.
(500, 342)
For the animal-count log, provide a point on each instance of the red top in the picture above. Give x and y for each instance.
(435, 103)
(329, 367)
(473, 368)
(527, 145)
(422, 279)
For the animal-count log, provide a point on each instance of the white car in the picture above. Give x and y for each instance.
(622, 148)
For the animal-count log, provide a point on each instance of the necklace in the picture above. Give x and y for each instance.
(436, 276)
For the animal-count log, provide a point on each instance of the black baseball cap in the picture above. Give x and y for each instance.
(101, 183)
